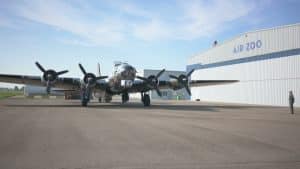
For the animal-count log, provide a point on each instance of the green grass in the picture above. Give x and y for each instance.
(6, 94)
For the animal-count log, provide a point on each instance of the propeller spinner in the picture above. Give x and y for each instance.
(90, 79)
(183, 80)
(152, 81)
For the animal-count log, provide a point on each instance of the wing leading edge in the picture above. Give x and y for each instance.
(199, 83)
(64, 83)
(177, 82)
(141, 86)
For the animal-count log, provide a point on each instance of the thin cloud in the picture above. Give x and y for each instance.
(118, 21)
(65, 17)
(193, 20)
(152, 30)
(202, 18)
(4, 22)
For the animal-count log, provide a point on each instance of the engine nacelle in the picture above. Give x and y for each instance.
(175, 85)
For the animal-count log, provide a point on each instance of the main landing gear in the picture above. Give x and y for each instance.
(125, 97)
(85, 97)
(84, 102)
(145, 99)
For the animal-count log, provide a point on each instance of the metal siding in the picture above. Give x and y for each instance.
(261, 82)
(273, 40)
(269, 88)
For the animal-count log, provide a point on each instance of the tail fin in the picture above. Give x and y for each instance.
(99, 70)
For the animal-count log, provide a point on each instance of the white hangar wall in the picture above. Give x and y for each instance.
(266, 63)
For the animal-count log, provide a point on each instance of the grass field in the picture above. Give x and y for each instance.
(6, 94)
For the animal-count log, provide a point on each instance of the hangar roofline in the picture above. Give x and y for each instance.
(243, 34)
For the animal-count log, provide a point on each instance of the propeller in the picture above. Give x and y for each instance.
(50, 75)
(90, 79)
(183, 80)
(152, 81)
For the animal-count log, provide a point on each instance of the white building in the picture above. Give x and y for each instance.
(31, 90)
(167, 94)
(266, 62)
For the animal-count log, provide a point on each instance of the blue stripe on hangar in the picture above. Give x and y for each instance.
(286, 53)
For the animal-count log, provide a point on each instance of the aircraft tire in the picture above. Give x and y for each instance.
(146, 100)
(84, 103)
(125, 97)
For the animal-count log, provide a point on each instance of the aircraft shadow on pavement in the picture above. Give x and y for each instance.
(154, 106)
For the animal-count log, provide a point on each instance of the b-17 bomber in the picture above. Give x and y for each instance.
(123, 82)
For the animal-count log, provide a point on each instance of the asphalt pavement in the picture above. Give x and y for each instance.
(60, 134)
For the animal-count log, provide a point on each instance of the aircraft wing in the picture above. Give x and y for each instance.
(141, 86)
(63, 83)
(193, 83)
(177, 82)
(199, 83)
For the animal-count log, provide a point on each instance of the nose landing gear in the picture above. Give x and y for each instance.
(145, 99)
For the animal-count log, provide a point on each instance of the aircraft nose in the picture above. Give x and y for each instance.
(129, 72)
(132, 69)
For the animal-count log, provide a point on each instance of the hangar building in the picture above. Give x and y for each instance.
(31, 90)
(266, 63)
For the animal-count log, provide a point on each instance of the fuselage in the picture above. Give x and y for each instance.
(122, 78)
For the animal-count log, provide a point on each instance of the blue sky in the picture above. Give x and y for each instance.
(148, 34)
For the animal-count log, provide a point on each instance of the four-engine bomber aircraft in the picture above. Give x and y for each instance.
(123, 82)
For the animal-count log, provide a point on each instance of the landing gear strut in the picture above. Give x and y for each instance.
(145, 99)
(85, 97)
(84, 102)
(107, 99)
(125, 97)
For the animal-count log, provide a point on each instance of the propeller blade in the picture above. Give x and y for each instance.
(160, 73)
(158, 92)
(101, 77)
(82, 69)
(188, 90)
(40, 67)
(190, 73)
(173, 77)
(142, 78)
(62, 72)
